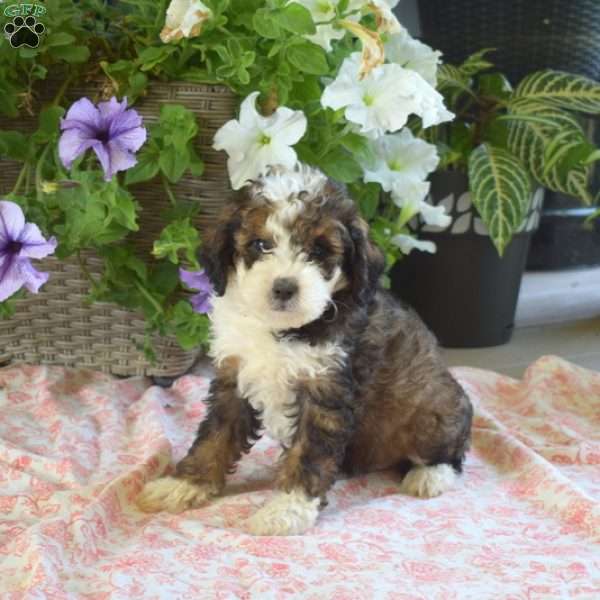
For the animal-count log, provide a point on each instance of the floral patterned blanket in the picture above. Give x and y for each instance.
(75, 447)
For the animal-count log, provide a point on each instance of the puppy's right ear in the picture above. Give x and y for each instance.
(218, 249)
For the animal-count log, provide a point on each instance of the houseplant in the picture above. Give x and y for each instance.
(504, 144)
(317, 83)
(532, 35)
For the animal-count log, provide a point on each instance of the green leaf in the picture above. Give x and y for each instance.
(501, 189)
(14, 145)
(146, 168)
(154, 55)
(179, 237)
(533, 128)
(359, 146)
(565, 90)
(126, 78)
(60, 38)
(70, 54)
(496, 133)
(295, 18)
(49, 127)
(196, 165)
(476, 63)
(265, 25)
(452, 83)
(340, 165)
(190, 328)
(495, 85)
(7, 309)
(165, 277)
(173, 163)
(461, 138)
(178, 126)
(121, 207)
(309, 58)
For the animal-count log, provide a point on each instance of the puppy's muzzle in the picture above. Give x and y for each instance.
(284, 292)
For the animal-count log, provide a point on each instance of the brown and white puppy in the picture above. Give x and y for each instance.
(308, 347)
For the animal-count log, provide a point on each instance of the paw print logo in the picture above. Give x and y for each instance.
(24, 32)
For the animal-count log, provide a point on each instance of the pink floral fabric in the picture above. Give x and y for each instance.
(76, 446)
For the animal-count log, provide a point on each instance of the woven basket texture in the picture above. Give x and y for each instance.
(58, 326)
(528, 35)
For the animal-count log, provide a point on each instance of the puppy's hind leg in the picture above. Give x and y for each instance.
(229, 430)
(441, 446)
(428, 481)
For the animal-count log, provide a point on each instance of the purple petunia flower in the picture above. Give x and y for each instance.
(111, 130)
(19, 243)
(199, 281)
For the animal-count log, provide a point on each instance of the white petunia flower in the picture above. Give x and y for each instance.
(400, 158)
(384, 99)
(254, 142)
(407, 243)
(184, 20)
(410, 197)
(322, 12)
(434, 215)
(386, 19)
(412, 54)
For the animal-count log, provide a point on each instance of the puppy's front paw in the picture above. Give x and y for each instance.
(173, 495)
(428, 482)
(286, 514)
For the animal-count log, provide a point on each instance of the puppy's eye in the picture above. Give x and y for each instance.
(262, 246)
(319, 250)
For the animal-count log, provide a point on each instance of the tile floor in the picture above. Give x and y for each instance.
(558, 313)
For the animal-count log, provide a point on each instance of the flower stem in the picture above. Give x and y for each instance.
(27, 180)
(62, 89)
(20, 178)
(406, 214)
(169, 191)
(38, 173)
(148, 296)
(85, 270)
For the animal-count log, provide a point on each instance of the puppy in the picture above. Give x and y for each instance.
(310, 349)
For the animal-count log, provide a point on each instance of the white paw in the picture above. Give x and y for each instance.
(173, 495)
(286, 514)
(428, 482)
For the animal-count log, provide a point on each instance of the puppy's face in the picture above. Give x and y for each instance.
(285, 250)
(289, 263)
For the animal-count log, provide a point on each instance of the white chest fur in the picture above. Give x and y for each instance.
(268, 368)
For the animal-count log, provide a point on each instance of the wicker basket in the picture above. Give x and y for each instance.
(528, 35)
(58, 326)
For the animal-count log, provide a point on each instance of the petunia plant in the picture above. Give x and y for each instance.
(333, 83)
(20, 243)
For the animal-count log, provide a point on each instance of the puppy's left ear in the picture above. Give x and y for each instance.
(364, 262)
(218, 250)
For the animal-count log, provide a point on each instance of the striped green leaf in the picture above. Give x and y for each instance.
(551, 145)
(564, 90)
(452, 82)
(501, 191)
(477, 62)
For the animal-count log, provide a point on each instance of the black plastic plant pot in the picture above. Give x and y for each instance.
(465, 293)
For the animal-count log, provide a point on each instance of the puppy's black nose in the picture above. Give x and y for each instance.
(284, 288)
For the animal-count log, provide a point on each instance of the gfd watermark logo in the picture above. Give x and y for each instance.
(24, 27)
